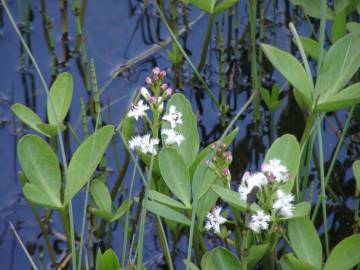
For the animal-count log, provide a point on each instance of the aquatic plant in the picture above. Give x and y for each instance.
(265, 220)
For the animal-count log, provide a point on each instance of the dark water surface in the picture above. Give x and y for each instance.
(117, 31)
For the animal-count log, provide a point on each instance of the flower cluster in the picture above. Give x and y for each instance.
(174, 118)
(266, 185)
(214, 220)
(153, 99)
(145, 144)
(221, 160)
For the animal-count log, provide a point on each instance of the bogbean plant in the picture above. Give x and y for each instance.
(262, 224)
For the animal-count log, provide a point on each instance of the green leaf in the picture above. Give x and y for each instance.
(101, 195)
(313, 8)
(86, 158)
(207, 6)
(353, 27)
(340, 5)
(340, 64)
(162, 198)
(224, 259)
(189, 148)
(287, 149)
(203, 178)
(206, 203)
(224, 5)
(107, 261)
(41, 167)
(190, 265)
(207, 150)
(301, 210)
(305, 241)
(27, 116)
(356, 172)
(101, 213)
(61, 93)
(344, 255)
(206, 262)
(344, 99)
(290, 262)
(127, 126)
(311, 47)
(256, 252)
(291, 69)
(125, 206)
(50, 130)
(175, 174)
(233, 198)
(339, 26)
(167, 212)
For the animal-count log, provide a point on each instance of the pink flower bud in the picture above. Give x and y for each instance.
(148, 80)
(246, 176)
(226, 172)
(213, 146)
(169, 91)
(155, 78)
(164, 86)
(228, 156)
(145, 93)
(156, 71)
(152, 99)
(163, 73)
(214, 159)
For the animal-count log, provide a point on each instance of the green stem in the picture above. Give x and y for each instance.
(193, 216)
(322, 183)
(252, 7)
(334, 158)
(206, 43)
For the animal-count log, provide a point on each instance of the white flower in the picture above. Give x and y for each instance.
(173, 117)
(172, 136)
(138, 110)
(145, 93)
(214, 220)
(249, 181)
(148, 144)
(284, 203)
(259, 221)
(275, 170)
(135, 142)
(145, 144)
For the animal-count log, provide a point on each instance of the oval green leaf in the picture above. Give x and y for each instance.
(175, 174)
(291, 69)
(27, 116)
(305, 241)
(167, 212)
(162, 198)
(101, 195)
(41, 167)
(345, 98)
(345, 255)
(86, 158)
(59, 98)
(334, 75)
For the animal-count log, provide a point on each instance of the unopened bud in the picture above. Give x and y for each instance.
(169, 91)
(163, 73)
(226, 172)
(156, 71)
(145, 93)
(148, 80)
(164, 86)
